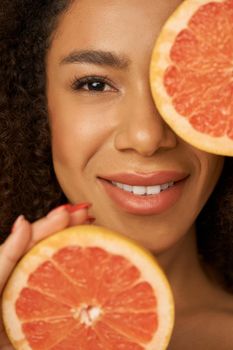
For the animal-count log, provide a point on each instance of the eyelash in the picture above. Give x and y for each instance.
(79, 83)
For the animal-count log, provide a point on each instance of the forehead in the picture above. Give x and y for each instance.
(97, 20)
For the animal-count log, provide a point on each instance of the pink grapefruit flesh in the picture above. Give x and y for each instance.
(88, 288)
(191, 74)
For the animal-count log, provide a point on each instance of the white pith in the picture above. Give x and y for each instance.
(87, 315)
(143, 190)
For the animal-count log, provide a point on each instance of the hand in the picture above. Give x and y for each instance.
(25, 235)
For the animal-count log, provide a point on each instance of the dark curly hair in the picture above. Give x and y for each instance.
(28, 184)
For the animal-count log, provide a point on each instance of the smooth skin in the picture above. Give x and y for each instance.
(100, 129)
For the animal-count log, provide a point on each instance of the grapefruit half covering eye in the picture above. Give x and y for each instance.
(191, 74)
(87, 288)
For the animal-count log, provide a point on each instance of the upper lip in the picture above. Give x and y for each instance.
(146, 179)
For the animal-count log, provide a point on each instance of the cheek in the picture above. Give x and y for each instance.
(78, 131)
(73, 138)
(210, 169)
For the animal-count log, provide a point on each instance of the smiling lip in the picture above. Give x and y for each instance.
(145, 205)
(146, 179)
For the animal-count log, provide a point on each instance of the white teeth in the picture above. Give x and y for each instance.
(164, 186)
(143, 190)
(118, 184)
(153, 190)
(127, 188)
(139, 190)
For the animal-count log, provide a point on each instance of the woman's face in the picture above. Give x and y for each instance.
(106, 130)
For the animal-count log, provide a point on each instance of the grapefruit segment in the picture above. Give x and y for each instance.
(54, 283)
(115, 340)
(42, 335)
(118, 276)
(138, 326)
(88, 288)
(191, 74)
(70, 342)
(138, 297)
(32, 305)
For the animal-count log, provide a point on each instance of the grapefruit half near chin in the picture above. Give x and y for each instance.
(191, 74)
(88, 288)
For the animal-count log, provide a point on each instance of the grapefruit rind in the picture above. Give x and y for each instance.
(160, 61)
(90, 236)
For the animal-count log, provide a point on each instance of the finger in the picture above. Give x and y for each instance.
(57, 220)
(79, 217)
(13, 248)
(79, 213)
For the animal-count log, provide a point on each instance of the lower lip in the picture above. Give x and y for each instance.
(144, 205)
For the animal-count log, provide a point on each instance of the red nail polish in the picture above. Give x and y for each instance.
(73, 208)
(90, 219)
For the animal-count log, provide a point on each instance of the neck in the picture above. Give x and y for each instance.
(184, 272)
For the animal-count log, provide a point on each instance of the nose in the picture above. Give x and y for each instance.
(142, 129)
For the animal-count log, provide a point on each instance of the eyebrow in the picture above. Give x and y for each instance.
(97, 57)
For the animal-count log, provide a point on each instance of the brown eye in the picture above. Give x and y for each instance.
(96, 86)
(92, 84)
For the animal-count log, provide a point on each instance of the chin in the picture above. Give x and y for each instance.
(144, 232)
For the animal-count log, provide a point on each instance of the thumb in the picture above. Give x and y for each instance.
(13, 248)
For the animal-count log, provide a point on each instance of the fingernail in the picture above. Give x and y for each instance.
(90, 219)
(17, 223)
(73, 208)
